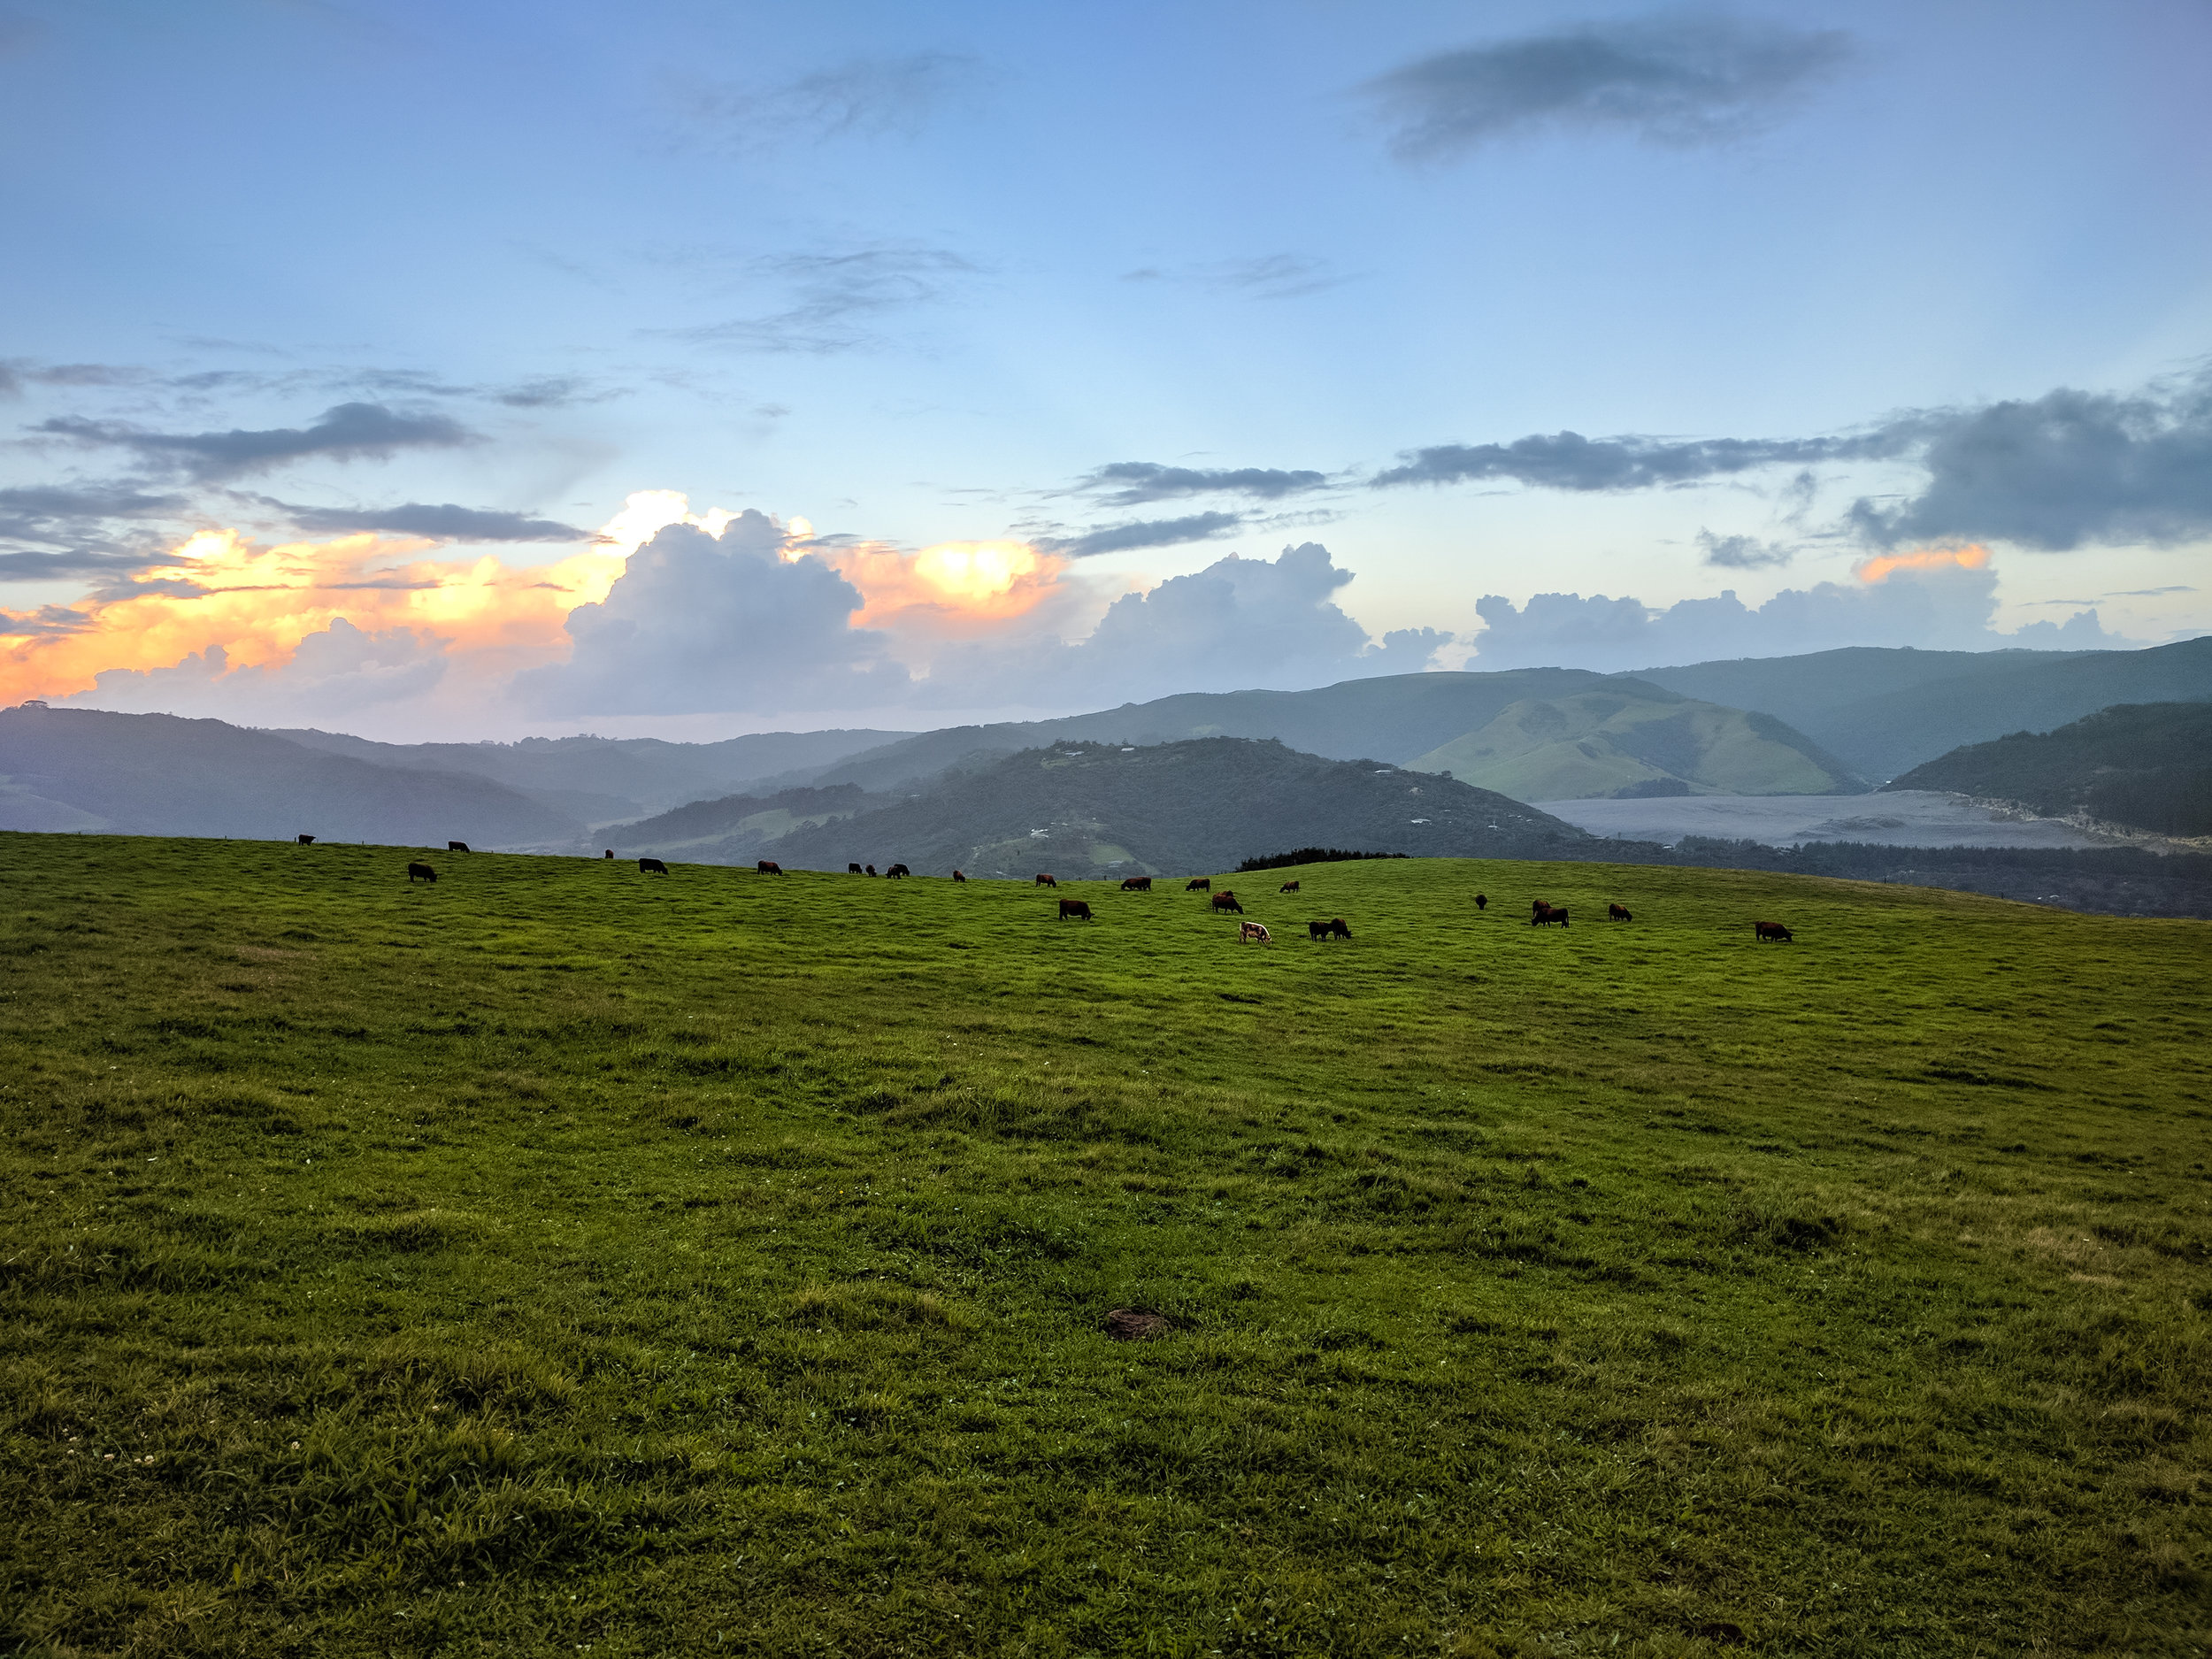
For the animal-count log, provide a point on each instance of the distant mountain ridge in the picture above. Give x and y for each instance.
(1090, 811)
(2146, 765)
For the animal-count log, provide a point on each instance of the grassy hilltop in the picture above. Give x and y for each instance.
(558, 1259)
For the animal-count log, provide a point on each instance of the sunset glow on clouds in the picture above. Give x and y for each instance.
(1880, 567)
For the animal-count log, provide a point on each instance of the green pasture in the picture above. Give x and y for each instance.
(559, 1259)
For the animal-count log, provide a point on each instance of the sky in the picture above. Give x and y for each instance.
(687, 368)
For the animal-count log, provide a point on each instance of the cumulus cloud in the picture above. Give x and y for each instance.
(1136, 483)
(1942, 602)
(1679, 80)
(442, 523)
(1121, 538)
(1239, 624)
(698, 623)
(346, 432)
(331, 673)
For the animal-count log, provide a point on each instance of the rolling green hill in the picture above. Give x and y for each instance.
(156, 775)
(1616, 744)
(2147, 765)
(560, 1260)
(1886, 711)
(733, 829)
(1093, 810)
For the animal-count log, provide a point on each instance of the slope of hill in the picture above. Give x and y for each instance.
(558, 1260)
(1173, 809)
(607, 780)
(733, 829)
(1392, 717)
(1618, 744)
(2146, 765)
(1884, 711)
(157, 774)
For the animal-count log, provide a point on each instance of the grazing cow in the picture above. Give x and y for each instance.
(1248, 931)
(956, 876)
(871, 870)
(898, 870)
(420, 872)
(1548, 916)
(1074, 906)
(1539, 906)
(651, 867)
(610, 852)
(1044, 880)
(1225, 900)
(1199, 884)
(1770, 930)
(1287, 887)
(1136, 884)
(769, 867)
(307, 840)
(852, 870)
(456, 847)
(1618, 913)
(1333, 929)
(1482, 901)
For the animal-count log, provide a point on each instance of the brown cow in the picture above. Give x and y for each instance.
(956, 876)
(1199, 884)
(1044, 880)
(307, 840)
(1074, 906)
(1539, 906)
(1248, 933)
(1287, 887)
(1618, 913)
(1136, 884)
(1225, 900)
(852, 870)
(897, 872)
(610, 852)
(1482, 901)
(651, 867)
(456, 847)
(1550, 915)
(1771, 930)
(769, 867)
(420, 872)
(1334, 929)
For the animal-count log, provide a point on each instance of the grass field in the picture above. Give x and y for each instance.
(560, 1260)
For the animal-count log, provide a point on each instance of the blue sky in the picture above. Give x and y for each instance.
(918, 276)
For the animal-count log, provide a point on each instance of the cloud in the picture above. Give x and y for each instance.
(1679, 80)
(1134, 483)
(1239, 624)
(1121, 538)
(17, 373)
(1275, 276)
(1567, 460)
(698, 623)
(444, 523)
(1742, 552)
(2062, 469)
(1944, 602)
(333, 672)
(346, 432)
(833, 296)
(2065, 470)
(866, 96)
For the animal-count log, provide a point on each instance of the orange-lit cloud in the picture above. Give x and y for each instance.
(1878, 569)
(952, 588)
(259, 602)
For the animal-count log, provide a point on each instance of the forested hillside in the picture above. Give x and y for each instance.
(2146, 765)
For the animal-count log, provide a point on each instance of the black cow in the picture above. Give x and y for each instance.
(897, 872)
(307, 840)
(956, 876)
(1482, 901)
(852, 870)
(651, 867)
(420, 872)
(610, 852)
(1334, 928)
(871, 870)
(456, 847)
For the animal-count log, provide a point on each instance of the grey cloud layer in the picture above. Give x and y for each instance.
(445, 522)
(1681, 81)
(1134, 483)
(868, 96)
(1122, 538)
(346, 432)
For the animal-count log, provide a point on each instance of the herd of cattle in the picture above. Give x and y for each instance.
(1542, 912)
